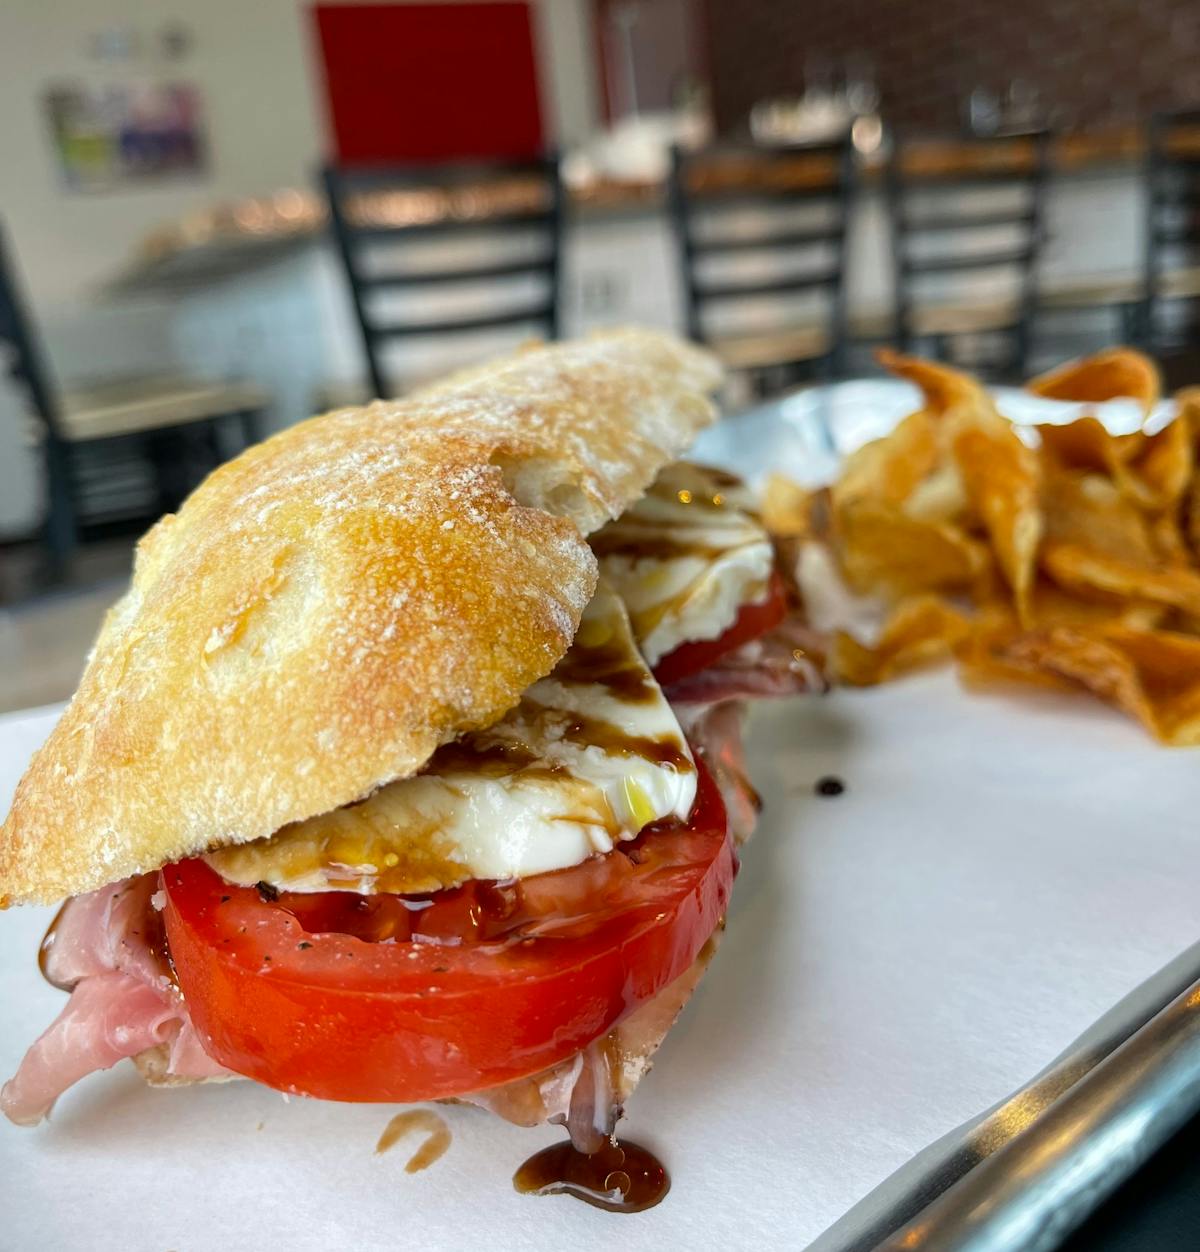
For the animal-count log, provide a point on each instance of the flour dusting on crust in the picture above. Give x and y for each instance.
(329, 607)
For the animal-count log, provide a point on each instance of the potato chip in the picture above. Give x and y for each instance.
(881, 549)
(1157, 474)
(1104, 376)
(1085, 445)
(984, 663)
(1003, 484)
(888, 470)
(1088, 510)
(940, 497)
(909, 466)
(1188, 401)
(918, 632)
(945, 390)
(1168, 538)
(1097, 540)
(1152, 674)
(789, 511)
(1153, 470)
(1080, 558)
(997, 475)
(986, 659)
(1084, 568)
(1052, 605)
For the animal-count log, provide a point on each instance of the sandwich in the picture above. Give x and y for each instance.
(408, 768)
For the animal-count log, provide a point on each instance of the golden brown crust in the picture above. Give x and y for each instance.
(555, 440)
(328, 608)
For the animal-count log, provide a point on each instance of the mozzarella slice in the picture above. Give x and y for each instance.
(591, 755)
(686, 557)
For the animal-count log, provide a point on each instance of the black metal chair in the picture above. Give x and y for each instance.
(26, 368)
(964, 211)
(427, 234)
(120, 454)
(1171, 270)
(762, 242)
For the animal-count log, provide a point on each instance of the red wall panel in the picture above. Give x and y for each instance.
(429, 82)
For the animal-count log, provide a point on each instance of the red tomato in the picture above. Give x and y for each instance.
(752, 621)
(398, 999)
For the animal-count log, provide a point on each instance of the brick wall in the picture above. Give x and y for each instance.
(1091, 61)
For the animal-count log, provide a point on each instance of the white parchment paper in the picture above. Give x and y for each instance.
(998, 872)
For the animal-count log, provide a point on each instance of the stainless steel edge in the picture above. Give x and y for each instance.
(1036, 1189)
(900, 1198)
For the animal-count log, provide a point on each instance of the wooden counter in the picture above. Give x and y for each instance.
(230, 238)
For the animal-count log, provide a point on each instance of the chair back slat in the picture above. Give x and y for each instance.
(1172, 213)
(479, 243)
(462, 325)
(756, 224)
(967, 209)
(25, 361)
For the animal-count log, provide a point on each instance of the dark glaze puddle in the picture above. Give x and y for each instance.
(829, 786)
(620, 1178)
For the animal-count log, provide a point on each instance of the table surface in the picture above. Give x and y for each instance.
(996, 875)
(999, 871)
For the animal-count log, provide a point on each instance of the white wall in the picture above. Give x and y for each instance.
(254, 60)
(567, 55)
(249, 59)
(255, 63)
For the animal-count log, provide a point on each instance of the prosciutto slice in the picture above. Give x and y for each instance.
(785, 661)
(587, 1092)
(107, 950)
(715, 733)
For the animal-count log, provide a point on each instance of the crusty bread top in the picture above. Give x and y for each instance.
(329, 607)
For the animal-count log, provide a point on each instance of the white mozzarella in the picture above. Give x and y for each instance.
(686, 557)
(591, 755)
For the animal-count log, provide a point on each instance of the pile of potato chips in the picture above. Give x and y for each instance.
(1074, 564)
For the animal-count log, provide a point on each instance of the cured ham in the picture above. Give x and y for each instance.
(788, 660)
(106, 948)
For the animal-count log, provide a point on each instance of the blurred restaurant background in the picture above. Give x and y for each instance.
(219, 218)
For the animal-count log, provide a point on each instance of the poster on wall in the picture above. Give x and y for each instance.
(126, 134)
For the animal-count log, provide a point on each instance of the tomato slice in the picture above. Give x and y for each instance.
(399, 999)
(752, 621)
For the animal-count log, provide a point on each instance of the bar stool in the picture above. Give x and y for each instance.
(1171, 267)
(438, 257)
(762, 243)
(124, 452)
(966, 219)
